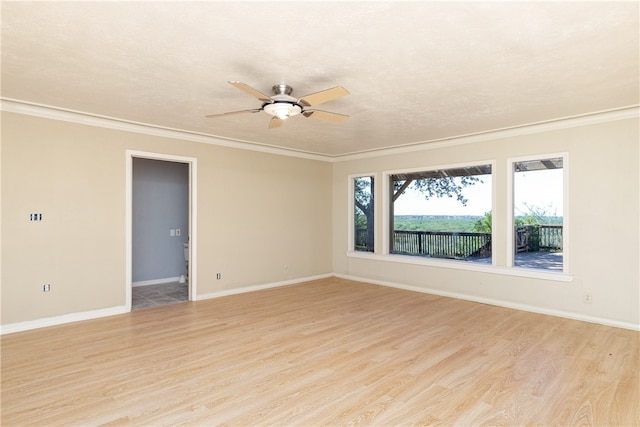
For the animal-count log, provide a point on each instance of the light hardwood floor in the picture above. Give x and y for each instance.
(328, 352)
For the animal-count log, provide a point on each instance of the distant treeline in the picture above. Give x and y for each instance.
(450, 223)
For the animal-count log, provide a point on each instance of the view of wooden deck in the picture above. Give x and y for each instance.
(537, 247)
(552, 261)
(542, 260)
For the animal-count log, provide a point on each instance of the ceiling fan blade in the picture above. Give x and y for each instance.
(232, 113)
(325, 115)
(323, 96)
(275, 122)
(251, 91)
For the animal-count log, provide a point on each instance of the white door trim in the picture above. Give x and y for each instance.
(193, 217)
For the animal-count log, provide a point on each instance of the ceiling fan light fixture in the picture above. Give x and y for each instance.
(282, 110)
(282, 105)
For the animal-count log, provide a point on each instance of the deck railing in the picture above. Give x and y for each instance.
(466, 245)
(551, 237)
(442, 244)
(533, 238)
(361, 241)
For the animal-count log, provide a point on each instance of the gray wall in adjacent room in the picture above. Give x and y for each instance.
(160, 203)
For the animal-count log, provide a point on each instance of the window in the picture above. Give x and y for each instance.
(538, 213)
(442, 213)
(363, 214)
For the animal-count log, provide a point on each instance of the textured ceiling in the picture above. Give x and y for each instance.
(416, 71)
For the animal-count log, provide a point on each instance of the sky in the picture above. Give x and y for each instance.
(542, 189)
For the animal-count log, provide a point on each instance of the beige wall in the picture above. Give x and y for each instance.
(603, 218)
(257, 212)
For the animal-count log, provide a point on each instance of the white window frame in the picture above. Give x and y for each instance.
(565, 212)
(351, 214)
(498, 266)
(386, 206)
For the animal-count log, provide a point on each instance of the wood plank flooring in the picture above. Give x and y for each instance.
(328, 352)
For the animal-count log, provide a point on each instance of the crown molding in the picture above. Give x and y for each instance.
(47, 112)
(22, 107)
(532, 128)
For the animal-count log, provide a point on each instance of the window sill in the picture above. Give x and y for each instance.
(464, 265)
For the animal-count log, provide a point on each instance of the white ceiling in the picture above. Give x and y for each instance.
(416, 71)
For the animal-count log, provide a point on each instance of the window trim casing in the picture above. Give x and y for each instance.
(565, 211)
(351, 211)
(386, 206)
(382, 248)
(465, 266)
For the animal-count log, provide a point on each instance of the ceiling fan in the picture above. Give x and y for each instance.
(282, 105)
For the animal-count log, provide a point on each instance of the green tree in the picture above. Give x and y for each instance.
(534, 215)
(444, 186)
(436, 187)
(364, 207)
(533, 218)
(484, 225)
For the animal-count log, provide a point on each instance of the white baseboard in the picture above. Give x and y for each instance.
(498, 303)
(93, 314)
(156, 281)
(264, 286)
(59, 320)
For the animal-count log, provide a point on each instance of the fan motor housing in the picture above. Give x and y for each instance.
(282, 89)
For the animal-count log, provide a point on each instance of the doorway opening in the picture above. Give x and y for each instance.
(160, 229)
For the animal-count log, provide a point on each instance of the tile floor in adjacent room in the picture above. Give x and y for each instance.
(157, 295)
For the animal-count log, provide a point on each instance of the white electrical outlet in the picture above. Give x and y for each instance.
(46, 287)
(587, 298)
(178, 232)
